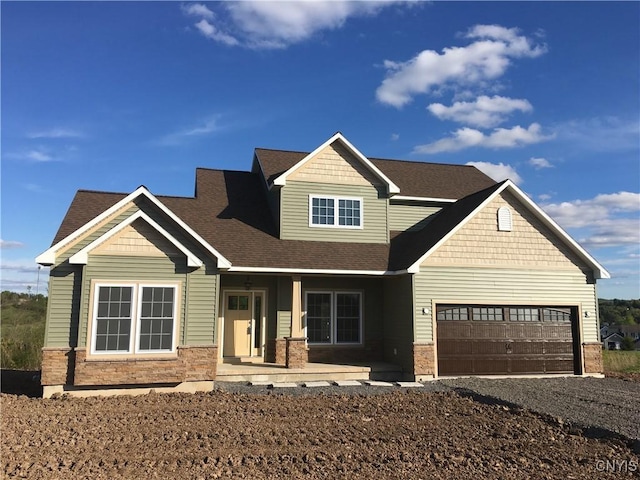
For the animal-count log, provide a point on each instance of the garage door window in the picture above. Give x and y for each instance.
(483, 313)
(523, 315)
(561, 315)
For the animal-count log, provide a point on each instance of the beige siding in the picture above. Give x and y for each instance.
(138, 238)
(295, 213)
(335, 165)
(529, 244)
(410, 216)
(62, 312)
(501, 286)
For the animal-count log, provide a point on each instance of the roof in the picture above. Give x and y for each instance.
(232, 205)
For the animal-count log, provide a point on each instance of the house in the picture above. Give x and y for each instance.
(612, 336)
(323, 257)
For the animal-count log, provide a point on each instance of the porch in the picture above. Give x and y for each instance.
(272, 372)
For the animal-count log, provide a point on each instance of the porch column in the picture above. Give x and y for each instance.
(296, 350)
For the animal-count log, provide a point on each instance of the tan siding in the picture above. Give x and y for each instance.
(529, 244)
(62, 310)
(139, 238)
(410, 216)
(335, 165)
(502, 286)
(295, 213)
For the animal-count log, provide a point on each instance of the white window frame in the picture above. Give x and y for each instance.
(334, 316)
(136, 310)
(336, 207)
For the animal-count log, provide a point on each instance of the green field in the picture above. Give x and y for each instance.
(621, 362)
(22, 331)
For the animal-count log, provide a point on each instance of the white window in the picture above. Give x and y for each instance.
(334, 317)
(341, 212)
(134, 318)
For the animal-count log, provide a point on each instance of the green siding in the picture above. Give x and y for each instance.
(285, 290)
(398, 321)
(294, 221)
(201, 301)
(502, 286)
(410, 216)
(62, 311)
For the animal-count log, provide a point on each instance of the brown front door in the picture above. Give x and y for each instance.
(237, 325)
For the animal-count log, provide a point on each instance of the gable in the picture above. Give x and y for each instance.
(529, 242)
(137, 238)
(334, 164)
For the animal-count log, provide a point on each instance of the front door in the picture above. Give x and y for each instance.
(243, 320)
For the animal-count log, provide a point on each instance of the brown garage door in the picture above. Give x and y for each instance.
(483, 340)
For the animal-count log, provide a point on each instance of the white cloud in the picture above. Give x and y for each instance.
(266, 24)
(602, 134)
(500, 138)
(484, 112)
(198, 10)
(538, 163)
(545, 196)
(7, 244)
(486, 58)
(207, 126)
(609, 219)
(33, 155)
(56, 133)
(395, 136)
(498, 171)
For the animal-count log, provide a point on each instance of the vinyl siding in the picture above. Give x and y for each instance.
(201, 299)
(410, 216)
(283, 319)
(62, 311)
(398, 321)
(467, 285)
(294, 213)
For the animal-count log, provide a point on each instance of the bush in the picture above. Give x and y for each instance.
(22, 331)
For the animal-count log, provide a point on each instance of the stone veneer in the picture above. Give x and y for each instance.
(592, 353)
(297, 355)
(193, 363)
(424, 359)
(280, 345)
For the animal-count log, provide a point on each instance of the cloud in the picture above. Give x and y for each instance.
(484, 112)
(500, 138)
(269, 25)
(486, 58)
(539, 163)
(56, 133)
(601, 134)
(395, 136)
(33, 155)
(498, 171)
(609, 219)
(7, 244)
(545, 196)
(206, 127)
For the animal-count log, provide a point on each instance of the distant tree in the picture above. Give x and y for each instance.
(628, 343)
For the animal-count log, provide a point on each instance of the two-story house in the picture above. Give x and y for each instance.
(323, 257)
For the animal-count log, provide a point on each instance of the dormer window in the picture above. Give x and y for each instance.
(338, 212)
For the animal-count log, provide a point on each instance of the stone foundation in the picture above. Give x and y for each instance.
(592, 354)
(280, 346)
(57, 366)
(192, 364)
(424, 360)
(297, 356)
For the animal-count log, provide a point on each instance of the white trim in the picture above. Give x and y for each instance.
(316, 271)
(424, 199)
(598, 270)
(391, 187)
(81, 257)
(336, 212)
(49, 256)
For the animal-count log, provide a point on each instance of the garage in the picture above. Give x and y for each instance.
(506, 339)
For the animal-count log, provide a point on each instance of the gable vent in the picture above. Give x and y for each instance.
(505, 222)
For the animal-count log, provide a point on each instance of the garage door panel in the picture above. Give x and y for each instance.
(505, 339)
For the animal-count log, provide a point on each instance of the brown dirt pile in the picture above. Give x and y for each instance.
(402, 434)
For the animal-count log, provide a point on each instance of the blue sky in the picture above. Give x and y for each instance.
(112, 95)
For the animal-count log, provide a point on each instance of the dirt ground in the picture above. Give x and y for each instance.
(401, 434)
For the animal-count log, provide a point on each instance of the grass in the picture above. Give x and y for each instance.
(22, 332)
(621, 362)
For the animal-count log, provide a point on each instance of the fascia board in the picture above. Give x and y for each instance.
(81, 257)
(391, 187)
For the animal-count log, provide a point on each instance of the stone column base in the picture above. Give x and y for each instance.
(200, 362)
(297, 355)
(592, 354)
(280, 351)
(57, 366)
(424, 360)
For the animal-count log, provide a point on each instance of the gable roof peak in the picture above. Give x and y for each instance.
(392, 188)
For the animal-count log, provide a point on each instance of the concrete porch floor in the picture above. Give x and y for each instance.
(271, 372)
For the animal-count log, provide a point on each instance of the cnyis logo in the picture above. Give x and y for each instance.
(617, 466)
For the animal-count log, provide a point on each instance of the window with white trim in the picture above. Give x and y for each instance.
(334, 317)
(341, 212)
(134, 318)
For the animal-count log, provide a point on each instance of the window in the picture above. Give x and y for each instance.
(335, 212)
(523, 315)
(452, 313)
(134, 318)
(334, 317)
